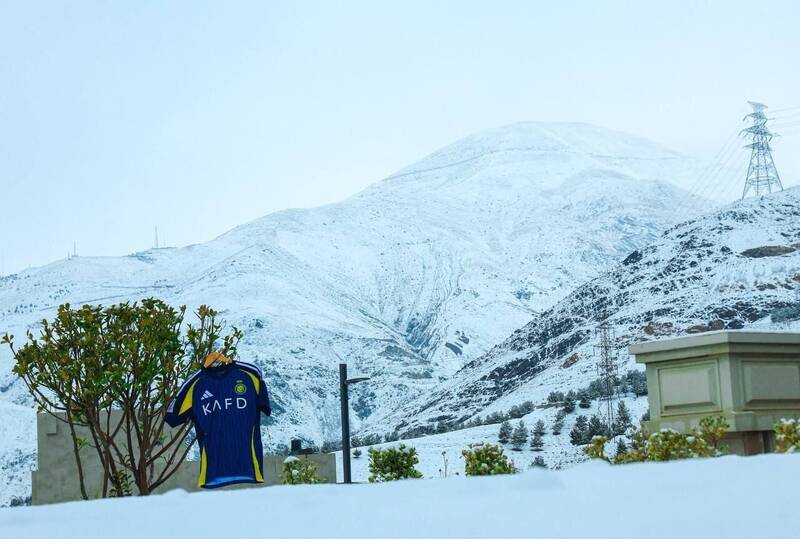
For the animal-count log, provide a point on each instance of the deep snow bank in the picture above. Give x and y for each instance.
(727, 497)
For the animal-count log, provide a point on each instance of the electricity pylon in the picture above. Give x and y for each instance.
(762, 176)
(607, 371)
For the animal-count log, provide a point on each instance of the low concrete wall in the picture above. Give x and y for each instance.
(56, 479)
(750, 378)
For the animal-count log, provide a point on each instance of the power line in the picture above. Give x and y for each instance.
(719, 162)
(789, 116)
(786, 108)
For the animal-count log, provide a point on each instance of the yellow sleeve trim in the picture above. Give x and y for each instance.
(256, 468)
(256, 383)
(203, 465)
(187, 400)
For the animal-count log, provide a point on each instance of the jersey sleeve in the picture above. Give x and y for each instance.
(261, 387)
(180, 407)
(263, 398)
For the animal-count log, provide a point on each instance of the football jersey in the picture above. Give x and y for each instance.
(225, 403)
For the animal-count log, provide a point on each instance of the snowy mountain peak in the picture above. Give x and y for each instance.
(409, 281)
(546, 154)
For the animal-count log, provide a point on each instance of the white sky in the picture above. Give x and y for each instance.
(117, 116)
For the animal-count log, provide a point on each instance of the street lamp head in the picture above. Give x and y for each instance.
(357, 379)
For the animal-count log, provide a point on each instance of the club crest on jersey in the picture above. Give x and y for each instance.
(240, 388)
(225, 404)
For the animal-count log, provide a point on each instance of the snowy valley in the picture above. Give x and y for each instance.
(532, 230)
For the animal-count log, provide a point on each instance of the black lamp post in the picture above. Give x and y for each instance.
(344, 382)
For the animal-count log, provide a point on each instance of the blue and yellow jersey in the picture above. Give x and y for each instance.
(225, 403)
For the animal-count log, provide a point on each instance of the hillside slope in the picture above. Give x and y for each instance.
(729, 269)
(408, 281)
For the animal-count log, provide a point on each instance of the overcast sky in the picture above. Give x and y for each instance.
(119, 116)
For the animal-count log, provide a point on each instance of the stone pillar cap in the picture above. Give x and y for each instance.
(716, 337)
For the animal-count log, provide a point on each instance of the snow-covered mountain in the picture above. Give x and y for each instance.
(729, 269)
(410, 280)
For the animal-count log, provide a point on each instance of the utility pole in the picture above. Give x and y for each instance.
(607, 371)
(344, 398)
(762, 176)
(155, 244)
(344, 383)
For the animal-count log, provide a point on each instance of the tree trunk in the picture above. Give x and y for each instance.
(78, 462)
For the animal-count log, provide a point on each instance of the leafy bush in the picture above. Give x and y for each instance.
(671, 445)
(538, 462)
(668, 444)
(486, 459)
(787, 436)
(555, 397)
(597, 448)
(299, 472)
(393, 464)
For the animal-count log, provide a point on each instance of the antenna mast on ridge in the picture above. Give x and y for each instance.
(762, 176)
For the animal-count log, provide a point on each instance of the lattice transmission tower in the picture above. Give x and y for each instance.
(607, 371)
(762, 176)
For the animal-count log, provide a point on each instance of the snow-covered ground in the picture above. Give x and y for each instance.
(558, 452)
(725, 497)
(17, 440)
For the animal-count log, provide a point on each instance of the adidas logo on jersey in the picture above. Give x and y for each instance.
(206, 395)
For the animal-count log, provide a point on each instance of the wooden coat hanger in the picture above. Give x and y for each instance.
(216, 358)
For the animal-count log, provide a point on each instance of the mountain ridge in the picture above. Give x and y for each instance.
(407, 280)
(727, 270)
